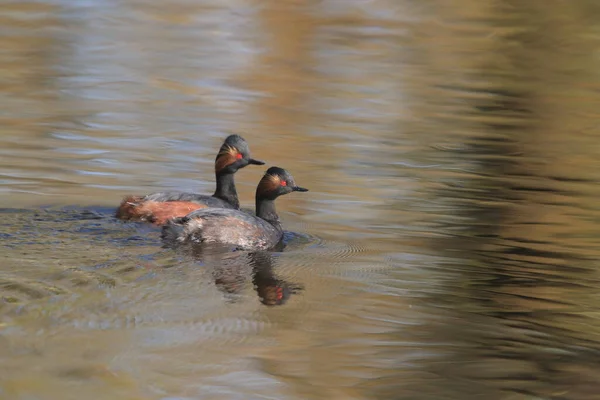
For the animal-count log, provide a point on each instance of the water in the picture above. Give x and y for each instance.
(447, 248)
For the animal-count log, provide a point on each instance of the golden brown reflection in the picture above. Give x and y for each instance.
(447, 247)
(521, 243)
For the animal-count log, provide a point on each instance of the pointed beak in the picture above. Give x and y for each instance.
(255, 162)
(299, 189)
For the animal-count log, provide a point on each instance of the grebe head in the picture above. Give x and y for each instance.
(233, 155)
(277, 182)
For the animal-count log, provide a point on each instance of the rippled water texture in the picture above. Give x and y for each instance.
(448, 247)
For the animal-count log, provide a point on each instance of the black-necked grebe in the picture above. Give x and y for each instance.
(161, 206)
(234, 227)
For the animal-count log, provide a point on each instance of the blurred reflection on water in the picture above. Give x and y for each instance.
(448, 247)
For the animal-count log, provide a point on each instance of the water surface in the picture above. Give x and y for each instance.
(447, 248)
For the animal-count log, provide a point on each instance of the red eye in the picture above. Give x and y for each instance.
(283, 183)
(239, 156)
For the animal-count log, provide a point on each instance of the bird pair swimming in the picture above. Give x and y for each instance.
(193, 218)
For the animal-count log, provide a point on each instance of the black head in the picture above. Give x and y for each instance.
(233, 155)
(277, 182)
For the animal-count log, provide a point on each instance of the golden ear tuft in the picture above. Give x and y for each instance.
(227, 156)
(227, 149)
(269, 183)
(274, 179)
